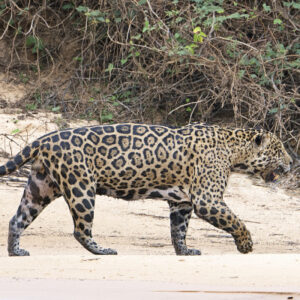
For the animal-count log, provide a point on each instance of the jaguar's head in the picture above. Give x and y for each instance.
(266, 155)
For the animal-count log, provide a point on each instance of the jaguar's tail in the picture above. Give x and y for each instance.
(28, 153)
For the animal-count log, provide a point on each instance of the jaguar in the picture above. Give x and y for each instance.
(186, 166)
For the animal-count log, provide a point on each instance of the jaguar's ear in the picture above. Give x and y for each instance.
(260, 140)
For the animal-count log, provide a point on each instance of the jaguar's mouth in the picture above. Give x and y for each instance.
(274, 176)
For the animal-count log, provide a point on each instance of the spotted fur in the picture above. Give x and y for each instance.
(187, 166)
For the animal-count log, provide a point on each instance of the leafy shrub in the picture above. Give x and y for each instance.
(162, 61)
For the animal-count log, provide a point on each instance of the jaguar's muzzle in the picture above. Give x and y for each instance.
(275, 175)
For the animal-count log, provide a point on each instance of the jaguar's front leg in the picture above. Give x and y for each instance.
(219, 215)
(180, 214)
(206, 194)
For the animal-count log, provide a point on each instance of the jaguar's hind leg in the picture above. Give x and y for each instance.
(81, 201)
(39, 191)
(180, 214)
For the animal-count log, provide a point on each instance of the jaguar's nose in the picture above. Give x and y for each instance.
(288, 167)
(290, 164)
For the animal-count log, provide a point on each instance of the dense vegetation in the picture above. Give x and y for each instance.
(170, 62)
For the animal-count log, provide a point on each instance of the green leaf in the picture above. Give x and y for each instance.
(294, 64)
(109, 68)
(30, 41)
(273, 110)
(100, 19)
(287, 4)
(253, 61)
(296, 5)
(146, 26)
(68, 6)
(266, 7)
(35, 43)
(15, 131)
(124, 61)
(293, 4)
(137, 37)
(141, 2)
(277, 21)
(241, 73)
(198, 35)
(55, 109)
(81, 8)
(197, 29)
(237, 16)
(106, 116)
(77, 58)
(190, 48)
(177, 35)
(31, 106)
(93, 13)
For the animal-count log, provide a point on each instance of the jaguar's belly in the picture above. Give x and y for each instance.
(170, 193)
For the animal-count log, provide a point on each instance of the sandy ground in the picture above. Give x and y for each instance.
(146, 265)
